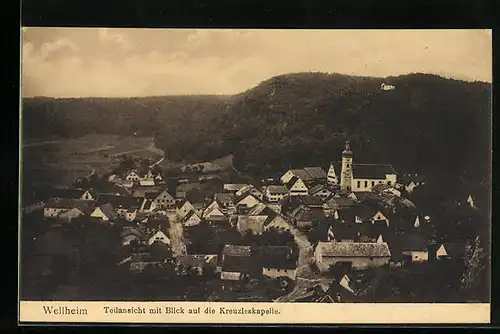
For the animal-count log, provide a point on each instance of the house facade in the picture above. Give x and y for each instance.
(358, 255)
(297, 187)
(164, 200)
(275, 193)
(159, 236)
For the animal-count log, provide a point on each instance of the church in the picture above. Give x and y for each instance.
(359, 177)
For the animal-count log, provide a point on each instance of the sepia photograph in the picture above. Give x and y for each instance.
(255, 166)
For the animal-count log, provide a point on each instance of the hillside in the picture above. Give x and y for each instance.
(428, 124)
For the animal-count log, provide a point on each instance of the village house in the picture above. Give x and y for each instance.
(131, 234)
(338, 204)
(253, 224)
(159, 236)
(312, 202)
(305, 218)
(121, 204)
(406, 247)
(236, 262)
(249, 190)
(196, 265)
(233, 187)
(246, 200)
(450, 250)
(357, 255)
(139, 261)
(155, 223)
(132, 176)
(226, 202)
(191, 219)
(320, 191)
(275, 193)
(277, 222)
(279, 261)
(164, 200)
(81, 210)
(185, 207)
(55, 207)
(308, 175)
(297, 187)
(104, 212)
(131, 214)
(361, 177)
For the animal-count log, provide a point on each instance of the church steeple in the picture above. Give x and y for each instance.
(347, 151)
(346, 177)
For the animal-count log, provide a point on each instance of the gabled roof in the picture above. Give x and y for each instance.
(239, 264)
(237, 250)
(454, 249)
(302, 174)
(190, 214)
(107, 209)
(233, 187)
(317, 188)
(357, 249)
(66, 203)
(371, 171)
(277, 189)
(197, 260)
(309, 215)
(147, 204)
(316, 172)
(367, 171)
(335, 202)
(291, 182)
(238, 199)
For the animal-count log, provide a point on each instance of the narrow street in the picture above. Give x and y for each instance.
(178, 244)
(306, 279)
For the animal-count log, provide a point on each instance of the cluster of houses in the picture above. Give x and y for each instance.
(351, 232)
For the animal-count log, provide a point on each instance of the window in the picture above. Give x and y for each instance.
(347, 165)
(373, 183)
(379, 181)
(359, 184)
(366, 184)
(389, 182)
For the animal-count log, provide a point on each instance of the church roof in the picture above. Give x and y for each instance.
(367, 171)
(354, 249)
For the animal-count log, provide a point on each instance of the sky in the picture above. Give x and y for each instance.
(119, 62)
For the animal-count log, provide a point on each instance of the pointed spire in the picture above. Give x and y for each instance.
(417, 222)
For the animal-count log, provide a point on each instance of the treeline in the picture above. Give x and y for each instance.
(428, 124)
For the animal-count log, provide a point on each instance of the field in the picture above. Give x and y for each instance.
(61, 162)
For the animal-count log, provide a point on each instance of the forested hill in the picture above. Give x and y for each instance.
(427, 124)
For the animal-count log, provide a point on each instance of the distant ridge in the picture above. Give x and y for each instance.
(430, 123)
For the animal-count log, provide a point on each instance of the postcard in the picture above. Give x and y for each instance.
(246, 176)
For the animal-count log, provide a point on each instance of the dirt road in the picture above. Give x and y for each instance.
(177, 236)
(306, 279)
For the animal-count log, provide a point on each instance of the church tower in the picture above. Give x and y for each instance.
(346, 177)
